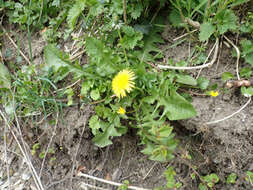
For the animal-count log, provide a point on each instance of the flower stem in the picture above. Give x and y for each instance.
(124, 49)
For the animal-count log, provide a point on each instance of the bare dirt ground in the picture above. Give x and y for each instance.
(220, 148)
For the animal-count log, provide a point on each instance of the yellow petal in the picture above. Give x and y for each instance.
(214, 93)
(121, 111)
(123, 82)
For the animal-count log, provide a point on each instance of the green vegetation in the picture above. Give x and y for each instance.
(120, 37)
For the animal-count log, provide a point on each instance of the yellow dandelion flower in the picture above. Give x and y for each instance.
(123, 82)
(121, 111)
(214, 93)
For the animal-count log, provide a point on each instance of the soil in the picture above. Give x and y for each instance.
(220, 148)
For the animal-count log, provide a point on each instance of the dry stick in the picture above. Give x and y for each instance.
(35, 175)
(49, 144)
(229, 116)
(238, 56)
(85, 185)
(99, 101)
(69, 86)
(6, 156)
(74, 43)
(184, 35)
(28, 161)
(75, 155)
(108, 182)
(15, 45)
(149, 171)
(205, 62)
(216, 46)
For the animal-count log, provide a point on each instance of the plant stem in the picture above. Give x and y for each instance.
(124, 49)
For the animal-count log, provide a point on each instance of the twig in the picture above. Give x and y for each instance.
(238, 56)
(25, 154)
(15, 45)
(49, 144)
(184, 35)
(205, 62)
(216, 46)
(108, 182)
(6, 156)
(73, 57)
(69, 86)
(75, 155)
(149, 171)
(26, 157)
(85, 185)
(229, 116)
(99, 101)
(74, 43)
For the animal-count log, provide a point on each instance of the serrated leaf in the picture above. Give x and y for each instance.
(75, 12)
(186, 79)
(54, 57)
(149, 46)
(129, 42)
(5, 77)
(176, 107)
(101, 56)
(94, 124)
(136, 10)
(102, 139)
(226, 21)
(206, 30)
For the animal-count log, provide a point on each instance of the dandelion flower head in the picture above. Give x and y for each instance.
(214, 93)
(123, 82)
(121, 111)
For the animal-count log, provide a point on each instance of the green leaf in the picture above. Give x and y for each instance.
(75, 12)
(247, 53)
(203, 83)
(94, 124)
(206, 30)
(54, 57)
(176, 107)
(95, 95)
(175, 18)
(226, 20)
(247, 91)
(186, 79)
(5, 77)
(226, 76)
(231, 178)
(70, 95)
(202, 187)
(149, 46)
(211, 179)
(102, 139)
(249, 59)
(238, 2)
(249, 176)
(129, 42)
(245, 72)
